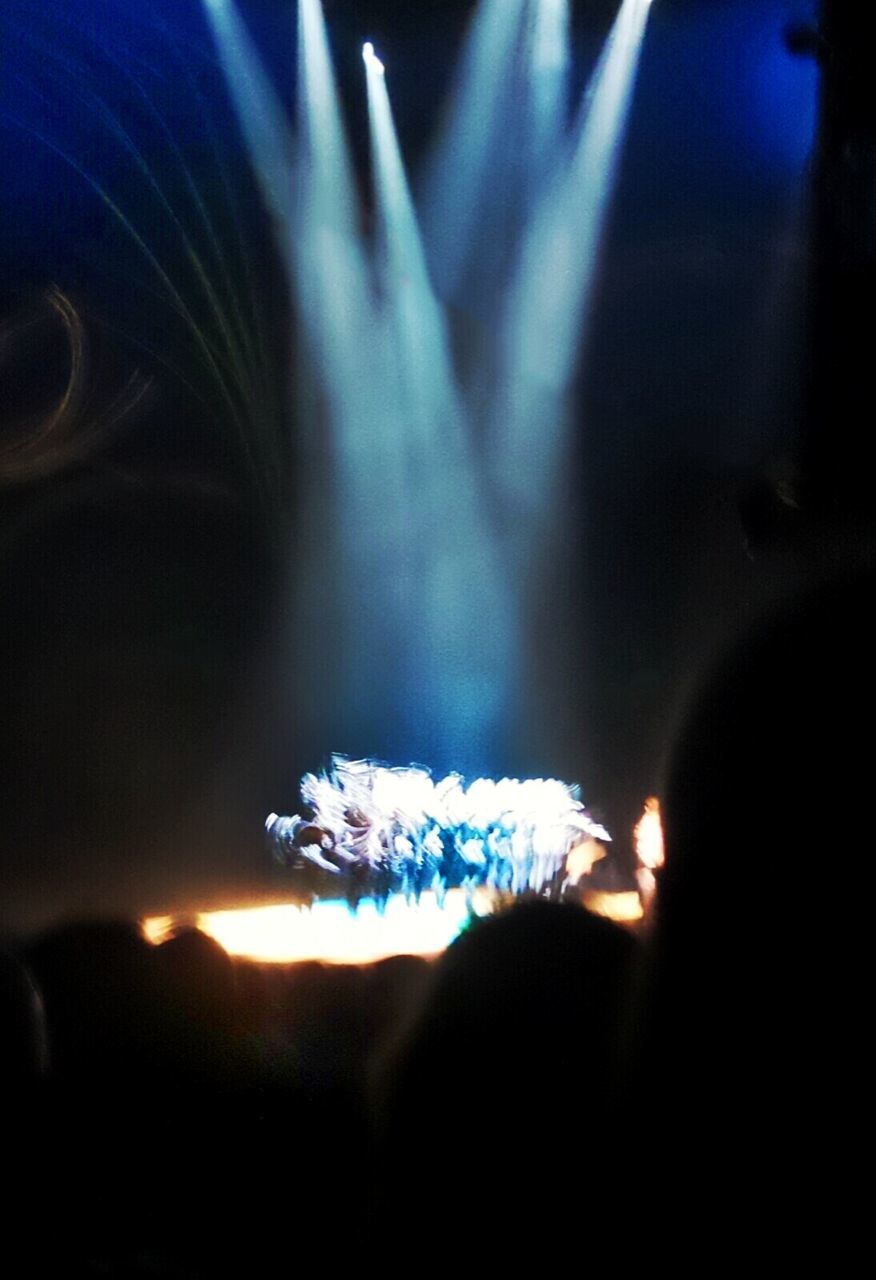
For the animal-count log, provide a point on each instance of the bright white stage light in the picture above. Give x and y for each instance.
(371, 58)
(435, 460)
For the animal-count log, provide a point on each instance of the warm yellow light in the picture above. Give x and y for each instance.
(581, 859)
(157, 928)
(329, 931)
(625, 908)
(648, 836)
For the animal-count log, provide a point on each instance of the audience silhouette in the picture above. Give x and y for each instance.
(750, 1048)
(180, 1108)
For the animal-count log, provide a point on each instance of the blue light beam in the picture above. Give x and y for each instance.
(458, 670)
(459, 185)
(262, 118)
(419, 336)
(549, 296)
(329, 263)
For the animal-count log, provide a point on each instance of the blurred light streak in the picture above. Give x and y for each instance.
(444, 536)
(549, 82)
(548, 299)
(328, 931)
(623, 908)
(262, 118)
(459, 185)
(331, 932)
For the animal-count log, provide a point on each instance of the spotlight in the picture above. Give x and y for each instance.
(371, 58)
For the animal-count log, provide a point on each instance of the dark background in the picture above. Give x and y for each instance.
(151, 708)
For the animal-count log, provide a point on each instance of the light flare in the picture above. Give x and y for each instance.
(650, 851)
(648, 836)
(156, 929)
(329, 932)
(623, 908)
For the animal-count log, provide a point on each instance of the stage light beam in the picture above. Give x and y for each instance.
(459, 186)
(330, 267)
(262, 119)
(432, 492)
(549, 78)
(445, 539)
(547, 303)
(420, 335)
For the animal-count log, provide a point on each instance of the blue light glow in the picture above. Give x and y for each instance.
(427, 570)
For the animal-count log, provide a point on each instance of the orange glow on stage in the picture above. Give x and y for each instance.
(331, 932)
(157, 928)
(650, 851)
(286, 933)
(648, 836)
(582, 858)
(623, 908)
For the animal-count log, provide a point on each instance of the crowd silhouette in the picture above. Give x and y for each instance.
(176, 1112)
